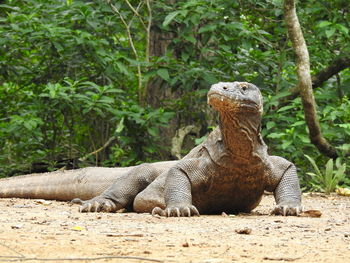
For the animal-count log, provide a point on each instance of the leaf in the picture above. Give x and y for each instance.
(163, 73)
(120, 126)
(298, 123)
(42, 202)
(330, 32)
(77, 228)
(329, 172)
(284, 108)
(207, 28)
(342, 28)
(122, 68)
(270, 125)
(190, 39)
(343, 191)
(324, 24)
(170, 17)
(152, 131)
(286, 144)
(210, 78)
(14, 8)
(313, 163)
(15, 27)
(58, 46)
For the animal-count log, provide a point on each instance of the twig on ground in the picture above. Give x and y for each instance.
(10, 259)
(281, 258)
(13, 250)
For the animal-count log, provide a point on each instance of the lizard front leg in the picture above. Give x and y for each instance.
(286, 187)
(122, 193)
(178, 196)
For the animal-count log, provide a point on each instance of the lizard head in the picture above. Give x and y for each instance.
(235, 97)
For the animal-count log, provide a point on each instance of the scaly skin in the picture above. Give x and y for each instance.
(228, 172)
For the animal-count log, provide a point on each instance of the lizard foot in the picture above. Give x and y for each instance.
(97, 204)
(287, 209)
(176, 211)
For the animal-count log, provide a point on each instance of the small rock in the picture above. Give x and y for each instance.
(244, 231)
(185, 244)
(224, 214)
(16, 226)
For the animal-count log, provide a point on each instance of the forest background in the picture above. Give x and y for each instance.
(117, 83)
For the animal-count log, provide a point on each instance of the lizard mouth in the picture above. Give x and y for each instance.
(219, 101)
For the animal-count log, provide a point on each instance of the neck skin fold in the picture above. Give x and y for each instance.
(241, 133)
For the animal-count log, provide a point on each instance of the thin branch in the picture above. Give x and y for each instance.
(136, 14)
(80, 259)
(137, 10)
(304, 80)
(131, 42)
(110, 140)
(340, 63)
(13, 250)
(148, 29)
(281, 258)
(148, 44)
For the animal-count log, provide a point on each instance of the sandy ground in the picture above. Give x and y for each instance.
(35, 231)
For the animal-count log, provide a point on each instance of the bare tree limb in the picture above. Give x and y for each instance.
(131, 42)
(337, 65)
(304, 80)
(135, 11)
(110, 140)
(146, 24)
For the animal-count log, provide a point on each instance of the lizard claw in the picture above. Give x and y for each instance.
(176, 211)
(97, 204)
(287, 209)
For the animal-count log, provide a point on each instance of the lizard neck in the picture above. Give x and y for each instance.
(241, 133)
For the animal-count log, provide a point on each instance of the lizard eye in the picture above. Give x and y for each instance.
(244, 87)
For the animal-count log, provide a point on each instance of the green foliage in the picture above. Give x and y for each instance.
(330, 178)
(67, 83)
(72, 118)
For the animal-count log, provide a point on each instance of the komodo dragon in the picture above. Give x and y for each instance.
(228, 172)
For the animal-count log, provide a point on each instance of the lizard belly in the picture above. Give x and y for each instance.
(231, 192)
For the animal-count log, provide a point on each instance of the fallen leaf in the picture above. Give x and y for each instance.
(311, 213)
(42, 202)
(343, 191)
(77, 228)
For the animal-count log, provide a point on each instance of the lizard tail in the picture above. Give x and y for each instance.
(84, 183)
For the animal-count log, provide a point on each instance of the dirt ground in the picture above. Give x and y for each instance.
(37, 231)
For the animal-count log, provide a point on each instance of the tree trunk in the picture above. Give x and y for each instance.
(305, 81)
(157, 89)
